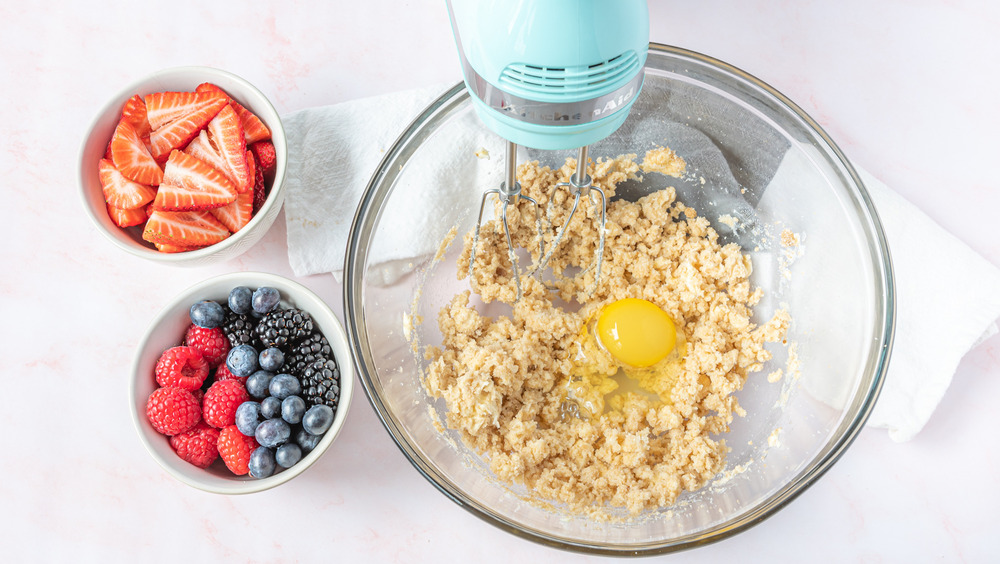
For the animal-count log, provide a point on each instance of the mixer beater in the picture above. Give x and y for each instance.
(579, 185)
(550, 75)
(509, 195)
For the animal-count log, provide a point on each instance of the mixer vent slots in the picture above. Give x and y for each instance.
(576, 82)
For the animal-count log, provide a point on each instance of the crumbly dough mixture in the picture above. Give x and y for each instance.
(505, 379)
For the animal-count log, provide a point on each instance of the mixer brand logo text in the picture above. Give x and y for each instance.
(546, 113)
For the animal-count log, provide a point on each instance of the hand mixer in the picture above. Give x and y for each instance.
(550, 75)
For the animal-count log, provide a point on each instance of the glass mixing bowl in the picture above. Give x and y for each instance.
(757, 165)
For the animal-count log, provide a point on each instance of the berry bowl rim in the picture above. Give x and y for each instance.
(168, 326)
(181, 78)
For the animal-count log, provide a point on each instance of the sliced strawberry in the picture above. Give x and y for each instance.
(264, 150)
(127, 218)
(164, 108)
(190, 183)
(201, 147)
(259, 189)
(121, 192)
(177, 117)
(237, 215)
(134, 113)
(132, 158)
(253, 128)
(168, 248)
(184, 229)
(221, 144)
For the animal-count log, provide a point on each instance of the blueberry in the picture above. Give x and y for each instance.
(248, 417)
(258, 382)
(261, 462)
(307, 440)
(292, 409)
(284, 385)
(242, 360)
(271, 359)
(207, 314)
(270, 408)
(240, 300)
(265, 299)
(318, 419)
(288, 454)
(273, 433)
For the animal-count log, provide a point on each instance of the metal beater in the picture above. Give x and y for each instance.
(509, 194)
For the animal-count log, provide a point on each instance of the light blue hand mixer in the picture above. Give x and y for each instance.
(550, 75)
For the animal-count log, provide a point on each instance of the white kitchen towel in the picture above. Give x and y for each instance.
(947, 296)
(332, 153)
(947, 302)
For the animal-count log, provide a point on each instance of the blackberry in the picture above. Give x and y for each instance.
(239, 329)
(321, 383)
(284, 327)
(309, 350)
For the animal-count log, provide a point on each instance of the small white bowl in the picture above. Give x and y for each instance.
(167, 330)
(181, 79)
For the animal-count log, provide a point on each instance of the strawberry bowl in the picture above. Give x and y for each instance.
(211, 467)
(185, 167)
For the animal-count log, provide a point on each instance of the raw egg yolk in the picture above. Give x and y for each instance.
(636, 332)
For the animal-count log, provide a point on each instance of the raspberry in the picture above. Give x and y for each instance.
(172, 410)
(199, 445)
(222, 373)
(235, 449)
(182, 367)
(211, 343)
(221, 401)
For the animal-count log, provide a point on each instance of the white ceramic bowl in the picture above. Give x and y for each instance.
(181, 79)
(167, 330)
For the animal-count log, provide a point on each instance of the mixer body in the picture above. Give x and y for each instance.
(552, 74)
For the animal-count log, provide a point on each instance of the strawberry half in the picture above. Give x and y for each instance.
(184, 229)
(132, 158)
(264, 151)
(190, 183)
(221, 144)
(176, 117)
(237, 215)
(253, 128)
(121, 192)
(127, 218)
(134, 113)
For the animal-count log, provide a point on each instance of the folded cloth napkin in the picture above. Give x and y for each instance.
(946, 295)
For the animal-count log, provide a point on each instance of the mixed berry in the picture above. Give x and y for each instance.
(253, 384)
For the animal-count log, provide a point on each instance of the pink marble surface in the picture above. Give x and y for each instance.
(908, 89)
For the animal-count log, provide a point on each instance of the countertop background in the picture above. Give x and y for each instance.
(908, 89)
